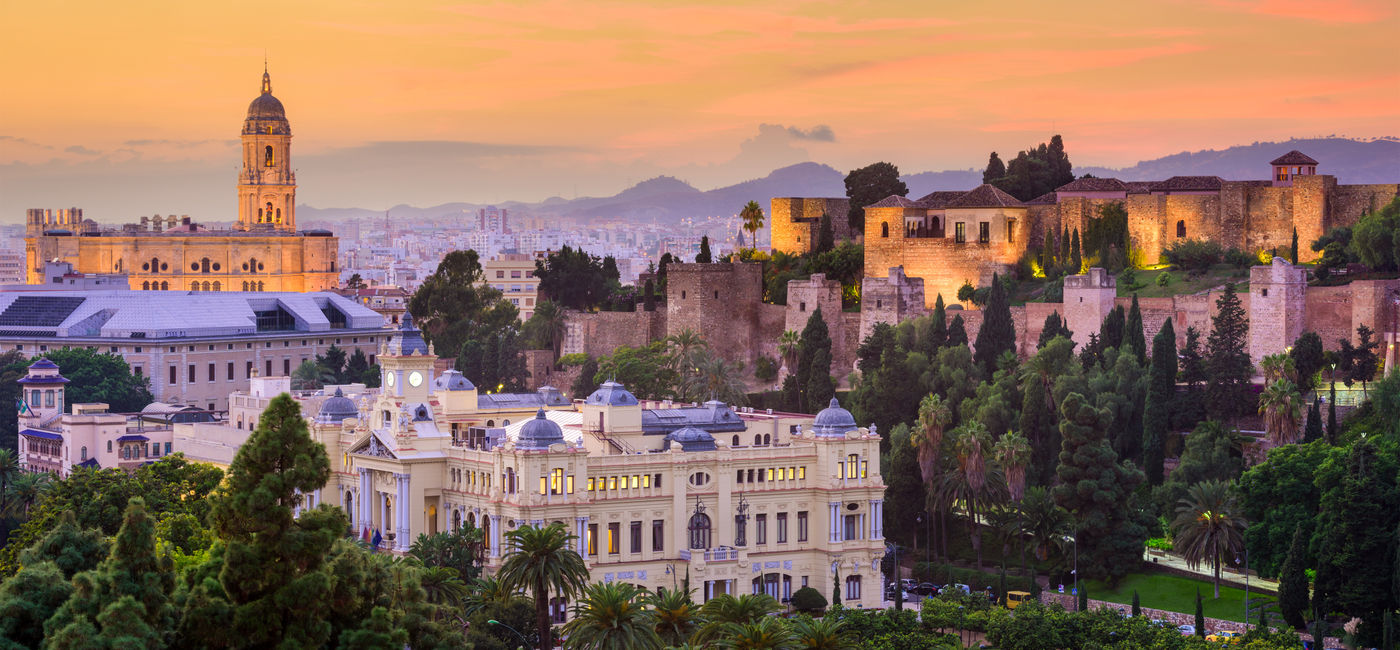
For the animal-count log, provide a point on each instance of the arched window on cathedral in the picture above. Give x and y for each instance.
(217, 286)
(164, 286)
(204, 265)
(884, 230)
(1181, 229)
(194, 286)
(155, 264)
(206, 286)
(268, 211)
(279, 216)
(260, 286)
(267, 157)
(245, 285)
(145, 286)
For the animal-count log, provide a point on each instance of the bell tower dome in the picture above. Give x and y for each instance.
(267, 186)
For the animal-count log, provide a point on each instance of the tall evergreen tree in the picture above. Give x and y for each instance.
(1308, 359)
(1137, 605)
(1293, 250)
(271, 588)
(1357, 524)
(1054, 326)
(1047, 256)
(868, 185)
(820, 387)
(995, 168)
(1334, 435)
(1066, 251)
(1313, 429)
(1227, 361)
(1200, 620)
(1098, 491)
(1111, 330)
(1190, 404)
(826, 235)
(998, 332)
(1133, 333)
(1076, 258)
(1293, 580)
(957, 332)
(1038, 418)
(936, 336)
(704, 257)
(1161, 392)
(649, 295)
(815, 338)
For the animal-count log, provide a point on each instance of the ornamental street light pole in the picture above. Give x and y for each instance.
(523, 643)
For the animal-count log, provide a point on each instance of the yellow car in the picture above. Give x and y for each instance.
(1228, 637)
(1014, 598)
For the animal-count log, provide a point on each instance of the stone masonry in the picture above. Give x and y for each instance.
(794, 222)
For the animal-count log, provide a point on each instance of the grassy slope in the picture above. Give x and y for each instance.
(1177, 594)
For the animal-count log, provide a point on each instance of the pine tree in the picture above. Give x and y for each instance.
(1293, 250)
(1076, 259)
(1357, 521)
(957, 332)
(1313, 429)
(1133, 333)
(1161, 393)
(272, 583)
(1227, 361)
(835, 588)
(998, 332)
(356, 367)
(649, 295)
(826, 235)
(815, 337)
(937, 334)
(29, 598)
(1097, 490)
(995, 169)
(1293, 580)
(704, 257)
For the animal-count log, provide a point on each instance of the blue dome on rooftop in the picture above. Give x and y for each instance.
(407, 339)
(337, 409)
(833, 420)
(539, 433)
(692, 439)
(452, 380)
(612, 393)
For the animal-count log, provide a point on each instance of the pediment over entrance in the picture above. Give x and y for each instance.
(372, 445)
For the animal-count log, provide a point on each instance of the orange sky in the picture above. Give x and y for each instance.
(589, 96)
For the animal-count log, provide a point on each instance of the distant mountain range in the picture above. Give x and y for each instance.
(665, 199)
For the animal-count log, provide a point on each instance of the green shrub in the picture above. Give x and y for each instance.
(575, 359)
(1160, 543)
(1164, 278)
(943, 574)
(1193, 254)
(1239, 259)
(808, 599)
(765, 368)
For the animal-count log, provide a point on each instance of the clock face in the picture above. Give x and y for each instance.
(389, 380)
(415, 379)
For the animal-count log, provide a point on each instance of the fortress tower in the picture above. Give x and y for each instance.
(267, 186)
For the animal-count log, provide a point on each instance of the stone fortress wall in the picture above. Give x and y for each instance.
(795, 222)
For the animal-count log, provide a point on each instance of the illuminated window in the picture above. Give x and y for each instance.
(543, 489)
(635, 481)
(569, 484)
(984, 232)
(267, 157)
(612, 482)
(646, 480)
(590, 485)
(770, 473)
(852, 465)
(614, 532)
(1010, 231)
(960, 232)
(592, 541)
(556, 481)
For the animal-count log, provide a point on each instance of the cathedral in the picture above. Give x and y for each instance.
(263, 252)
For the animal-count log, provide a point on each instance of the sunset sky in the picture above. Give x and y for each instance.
(134, 108)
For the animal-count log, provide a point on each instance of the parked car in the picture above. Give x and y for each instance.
(1186, 630)
(1015, 598)
(908, 583)
(1228, 637)
(926, 589)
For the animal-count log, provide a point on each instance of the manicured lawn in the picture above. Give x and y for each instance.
(1182, 282)
(1177, 594)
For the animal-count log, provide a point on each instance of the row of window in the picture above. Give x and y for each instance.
(770, 474)
(760, 528)
(471, 481)
(625, 482)
(853, 467)
(634, 537)
(136, 451)
(140, 349)
(514, 275)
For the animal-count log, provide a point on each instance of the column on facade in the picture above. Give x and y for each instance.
(581, 530)
(495, 535)
(834, 515)
(877, 519)
(403, 512)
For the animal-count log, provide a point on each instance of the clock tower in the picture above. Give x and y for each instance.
(267, 186)
(406, 363)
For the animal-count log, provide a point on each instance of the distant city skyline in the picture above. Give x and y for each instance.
(128, 110)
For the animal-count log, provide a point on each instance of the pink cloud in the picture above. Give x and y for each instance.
(1332, 11)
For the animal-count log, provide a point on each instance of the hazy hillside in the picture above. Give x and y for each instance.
(666, 199)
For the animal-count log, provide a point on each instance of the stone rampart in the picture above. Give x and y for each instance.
(721, 301)
(599, 333)
(794, 222)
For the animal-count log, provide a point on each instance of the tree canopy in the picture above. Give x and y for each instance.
(868, 185)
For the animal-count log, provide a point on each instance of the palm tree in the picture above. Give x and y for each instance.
(1281, 406)
(1278, 366)
(788, 345)
(611, 616)
(1043, 521)
(726, 609)
(826, 633)
(713, 378)
(971, 479)
(934, 415)
(685, 345)
(1207, 527)
(542, 561)
(443, 586)
(1013, 453)
(766, 633)
(752, 215)
(484, 592)
(553, 324)
(9, 467)
(676, 615)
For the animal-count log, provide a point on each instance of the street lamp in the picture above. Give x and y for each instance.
(1246, 585)
(741, 522)
(523, 643)
(928, 536)
(1075, 540)
(671, 571)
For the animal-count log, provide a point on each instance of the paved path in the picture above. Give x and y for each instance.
(1235, 579)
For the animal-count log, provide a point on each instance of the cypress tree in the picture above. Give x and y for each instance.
(820, 388)
(1047, 256)
(649, 296)
(1111, 330)
(1293, 250)
(1083, 597)
(490, 364)
(1200, 615)
(957, 332)
(937, 334)
(835, 588)
(704, 257)
(1333, 434)
(995, 169)
(1293, 580)
(826, 236)
(815, 337)
(1065, 250)
(1076, 260)
(1137, 606)
(1313, 429)
(1227, 361)
(1054, 326)
(1161, 391)
(1133, 333)
(998, 333)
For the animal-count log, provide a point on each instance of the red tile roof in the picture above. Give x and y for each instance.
(893, 201)
(1048, 198)
(985, 196)
(1093, 185)
(1294, 157)
(1139, 187)
(936, 200)
(1188, 184)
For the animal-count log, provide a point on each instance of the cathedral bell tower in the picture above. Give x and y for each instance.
(267, 186)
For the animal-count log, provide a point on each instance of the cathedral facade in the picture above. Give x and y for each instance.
(263, 252)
